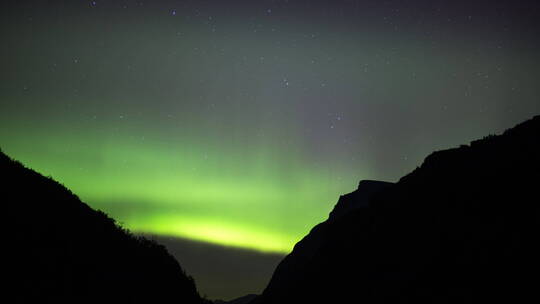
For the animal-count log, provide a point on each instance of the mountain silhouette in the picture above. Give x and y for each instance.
(461, 228)
(59, 250)
(357, 199)
(241, 300)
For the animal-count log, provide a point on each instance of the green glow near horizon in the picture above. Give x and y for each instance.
(264, 199)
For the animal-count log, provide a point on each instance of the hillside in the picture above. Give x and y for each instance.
(461, 228)
(60, 250)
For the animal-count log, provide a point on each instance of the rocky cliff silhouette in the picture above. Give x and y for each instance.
(241, 300)
(461, 228)
(59, 250)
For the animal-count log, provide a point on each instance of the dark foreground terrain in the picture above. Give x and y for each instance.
(461, 228)
(59, 250)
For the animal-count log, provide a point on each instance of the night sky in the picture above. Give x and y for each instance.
(239, 123)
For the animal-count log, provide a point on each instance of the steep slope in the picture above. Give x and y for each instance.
(60, 250)
(293, 267)
(462, 228)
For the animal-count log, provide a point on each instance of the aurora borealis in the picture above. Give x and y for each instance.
(189, 190)
(240, 123)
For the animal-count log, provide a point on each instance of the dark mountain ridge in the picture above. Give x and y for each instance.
(60, 250)
(242, 300)
(291, 268)
(357, 199)
(461, 228)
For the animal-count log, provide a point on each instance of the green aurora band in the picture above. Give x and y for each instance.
(240, 124)
(263, 199)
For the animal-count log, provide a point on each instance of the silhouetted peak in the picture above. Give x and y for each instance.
(367, 184)
(359, 198)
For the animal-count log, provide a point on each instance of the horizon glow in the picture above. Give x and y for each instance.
(258, 200)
